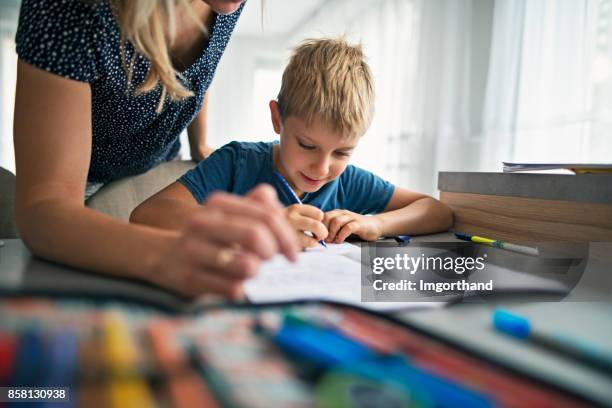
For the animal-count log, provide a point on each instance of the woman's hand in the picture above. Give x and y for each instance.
(342, 223)
(304, 217)
(201, 153)
(197, 132)
(224, 244)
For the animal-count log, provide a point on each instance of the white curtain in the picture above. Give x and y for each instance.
(8, 62)
(549, 91)
(464, 84)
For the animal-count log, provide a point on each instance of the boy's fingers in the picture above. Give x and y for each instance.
(306, 241)
(308, 224)
(311, 211)
(330, 215)
(336, 224)
(348, 229)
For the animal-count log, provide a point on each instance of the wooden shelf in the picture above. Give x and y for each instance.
(530, 207)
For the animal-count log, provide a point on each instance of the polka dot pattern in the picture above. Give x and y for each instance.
(80, 40)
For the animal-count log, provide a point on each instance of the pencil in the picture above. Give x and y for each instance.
(499, 244)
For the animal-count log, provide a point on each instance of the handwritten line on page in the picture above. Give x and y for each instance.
(323, 274)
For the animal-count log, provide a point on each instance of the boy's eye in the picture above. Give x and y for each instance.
(305, 146)
(343, 154)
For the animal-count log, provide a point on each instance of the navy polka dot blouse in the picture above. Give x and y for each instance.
(80, 40)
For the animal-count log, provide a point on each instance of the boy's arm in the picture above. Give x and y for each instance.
(412, 213)
(170, 208)
(406, 213)
(174, 205)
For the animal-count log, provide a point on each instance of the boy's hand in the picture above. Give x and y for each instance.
(304, 217)
(342, 223)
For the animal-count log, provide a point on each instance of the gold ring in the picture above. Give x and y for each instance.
(224, 257)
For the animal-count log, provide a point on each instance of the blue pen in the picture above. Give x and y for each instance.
(296, 200)
(520, 328)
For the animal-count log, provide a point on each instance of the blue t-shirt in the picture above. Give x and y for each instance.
(237, 167)
(80, 40)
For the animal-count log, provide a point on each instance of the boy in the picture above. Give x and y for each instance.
(324, 106)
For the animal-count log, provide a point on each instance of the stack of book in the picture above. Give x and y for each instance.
(576, 168)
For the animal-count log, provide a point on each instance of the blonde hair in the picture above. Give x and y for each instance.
(143, 23)
(329, 80)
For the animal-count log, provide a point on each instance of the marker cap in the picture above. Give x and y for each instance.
(511, 324)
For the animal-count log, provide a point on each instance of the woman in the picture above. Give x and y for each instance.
(104, 88)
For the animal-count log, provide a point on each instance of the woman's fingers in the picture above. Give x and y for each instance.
(227, 230)
(260, 210)
(230, 262)
(224, 244)
(266, 195)
(199, 266)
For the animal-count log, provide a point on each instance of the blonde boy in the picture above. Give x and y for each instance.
(325, 105)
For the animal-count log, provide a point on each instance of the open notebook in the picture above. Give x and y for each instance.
(335, 274)
(332, 273)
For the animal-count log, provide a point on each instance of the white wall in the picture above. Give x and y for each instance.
(9, 11)
(232, 115)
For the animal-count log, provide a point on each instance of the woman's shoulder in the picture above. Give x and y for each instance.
(66, 17)
(62, 36)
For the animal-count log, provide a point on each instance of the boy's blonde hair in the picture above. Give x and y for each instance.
(329, 80)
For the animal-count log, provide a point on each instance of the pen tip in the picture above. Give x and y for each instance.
(462, 235)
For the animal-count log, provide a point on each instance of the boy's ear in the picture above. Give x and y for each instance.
(275, 116)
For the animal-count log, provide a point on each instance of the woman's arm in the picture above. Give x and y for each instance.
(52, 136)
(197, 134)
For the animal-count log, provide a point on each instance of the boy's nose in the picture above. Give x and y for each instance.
(320, 168)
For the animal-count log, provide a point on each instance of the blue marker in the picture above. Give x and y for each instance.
(330, 349)
(402, 240)
(31, 359)
(296, 200)
(520, 328)
(64, 364)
